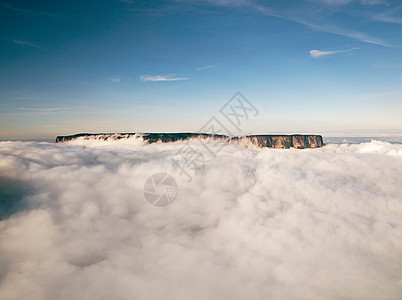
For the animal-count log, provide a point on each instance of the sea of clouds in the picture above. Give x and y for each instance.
(252, 224)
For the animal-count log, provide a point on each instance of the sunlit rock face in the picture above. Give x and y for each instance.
(270, 141)
(287, 141)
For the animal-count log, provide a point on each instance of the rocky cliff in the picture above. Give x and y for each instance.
(270, 141)
(287, 141)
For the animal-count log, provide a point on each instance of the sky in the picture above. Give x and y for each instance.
(313, 66)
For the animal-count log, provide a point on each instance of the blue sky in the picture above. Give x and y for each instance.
(319, 66)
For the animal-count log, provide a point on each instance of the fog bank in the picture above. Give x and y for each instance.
(252, 224)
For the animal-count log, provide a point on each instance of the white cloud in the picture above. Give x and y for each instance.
(161, 78)
(207, 67)
(319, 53)
(285, 224)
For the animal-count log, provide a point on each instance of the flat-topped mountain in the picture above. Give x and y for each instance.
(298, 141)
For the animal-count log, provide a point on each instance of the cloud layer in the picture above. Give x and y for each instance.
(253, 224)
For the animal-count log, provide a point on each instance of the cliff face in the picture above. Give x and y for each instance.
(147, 137)
(263, 141)
(287, 141)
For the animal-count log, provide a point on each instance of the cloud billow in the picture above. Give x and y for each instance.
(284, 224)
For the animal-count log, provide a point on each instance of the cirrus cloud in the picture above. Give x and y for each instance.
(25, 43)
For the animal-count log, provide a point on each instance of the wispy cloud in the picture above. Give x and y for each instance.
(207, 67)
(302, 17)
(17, 9)
(31, 12)
(233, 3)
(328, 28)
(45, 109)
(319, 53)
(373, 2)
(161, 78)
(389, 16)
(24, 98)
(387, 19)
(115, 79)
(344, 2)
(25, 44)
(360, 36)
(332, 2)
